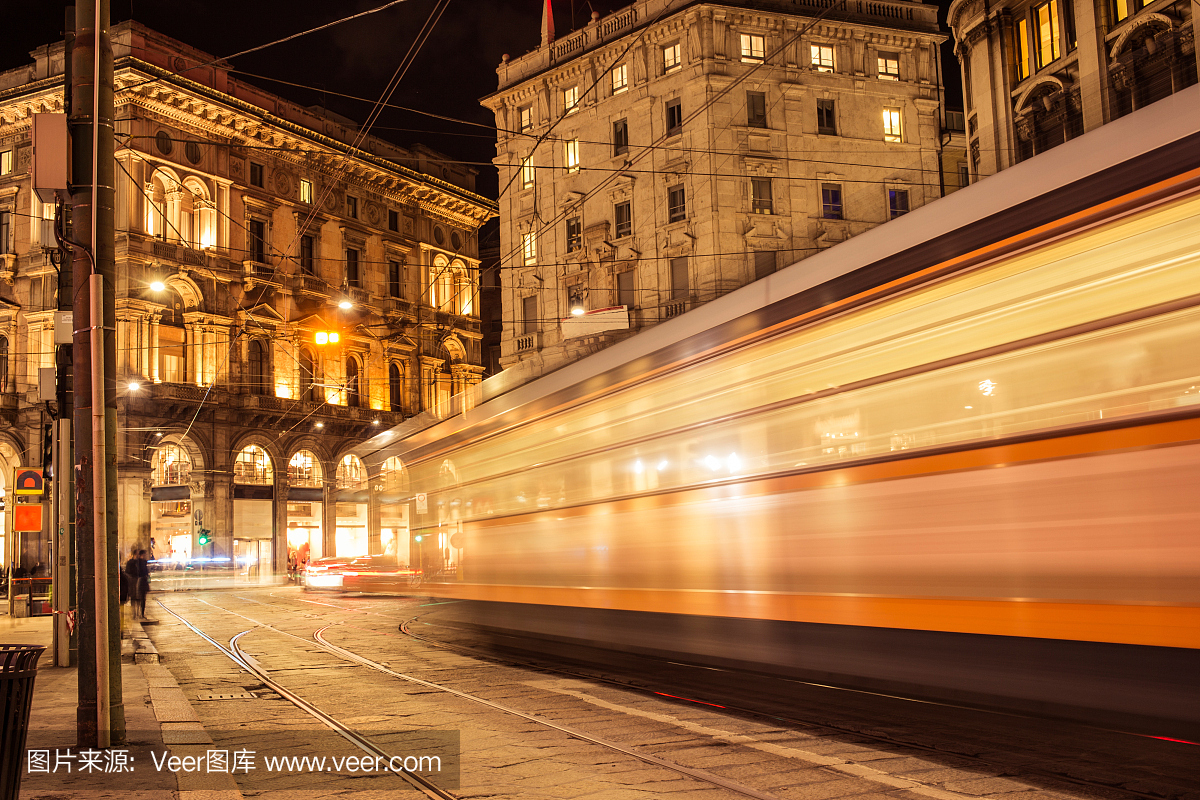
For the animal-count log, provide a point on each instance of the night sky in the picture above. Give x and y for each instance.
(454, 68)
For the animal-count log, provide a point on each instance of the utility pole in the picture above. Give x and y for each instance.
(101, 717)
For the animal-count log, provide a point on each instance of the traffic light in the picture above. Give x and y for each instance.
(48, 450)
(204, 536)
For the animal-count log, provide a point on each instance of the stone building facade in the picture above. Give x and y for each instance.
(674, 151)
(249, 229)
(1039, 72)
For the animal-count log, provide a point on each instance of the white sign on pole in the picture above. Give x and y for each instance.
(422, 503)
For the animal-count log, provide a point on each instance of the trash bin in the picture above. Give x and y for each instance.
(18, 668)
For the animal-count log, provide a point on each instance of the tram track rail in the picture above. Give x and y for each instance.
(249, 664)
(235, 653)
(1064, 781)
(405, 627)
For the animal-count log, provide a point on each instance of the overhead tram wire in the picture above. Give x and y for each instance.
(292, 37)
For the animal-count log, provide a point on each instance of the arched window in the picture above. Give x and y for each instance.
(441, 285)
(172, 466)
(253, 466)
(350, 472)
(353, 382)
(308, 376)
(3, 363)
(396, 386)
(197, 215)
(464, 291)
(305, 470)
(392, 475)
(156, 206)
(258, 366)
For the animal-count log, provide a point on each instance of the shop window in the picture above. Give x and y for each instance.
(253, 466)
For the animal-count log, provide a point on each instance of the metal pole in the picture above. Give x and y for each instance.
(100, 718)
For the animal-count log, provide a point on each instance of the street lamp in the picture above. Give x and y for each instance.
(134, 386)
(157, 286)
(345, 305)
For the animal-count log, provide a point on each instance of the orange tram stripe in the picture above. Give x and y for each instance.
(1156, 625)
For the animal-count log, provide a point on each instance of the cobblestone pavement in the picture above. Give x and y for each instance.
(663, 747)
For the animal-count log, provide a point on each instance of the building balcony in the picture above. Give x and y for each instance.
(311, 285)
(259, 273)
(528, 342)
(359, 295)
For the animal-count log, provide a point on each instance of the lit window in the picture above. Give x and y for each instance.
(1124, 8)
(676, 204)
(620, 78)
(822, 58)
(831, 201)
(897, 203)
(574, 234)
(671, 57)
(253, 466)
(754, 48)
(529, 248)
(306, 192)
(891, 125)
(527, 173)
(572, 155)
(571, 99)
(1046, 18)
(6, 162)
(889, 67)
(526, 117)
(1020, 49)
(623, 217)
(760, 196)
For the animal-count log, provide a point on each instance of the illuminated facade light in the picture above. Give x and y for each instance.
(134, 386)
(345, 305)
(158, 286)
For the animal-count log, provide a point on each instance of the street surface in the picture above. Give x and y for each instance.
(536, 733)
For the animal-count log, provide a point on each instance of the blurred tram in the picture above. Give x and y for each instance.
(956, 457)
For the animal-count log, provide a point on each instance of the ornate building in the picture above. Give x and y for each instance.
(250, 230)
(1039, 72)
(674, 151)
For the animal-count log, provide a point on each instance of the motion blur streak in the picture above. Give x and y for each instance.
(973, 480)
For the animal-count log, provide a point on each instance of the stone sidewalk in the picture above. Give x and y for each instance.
(160, 723)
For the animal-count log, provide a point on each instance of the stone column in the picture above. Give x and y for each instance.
(154, 377)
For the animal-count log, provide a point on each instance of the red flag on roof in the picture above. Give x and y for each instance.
(547, 24)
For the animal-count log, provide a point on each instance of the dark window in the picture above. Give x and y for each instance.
(5, 232)
(623, 214)
(192, 149)
(256, 174)
(674, 117)
(163, 140)
(764, 263)
(620, 137)
(627, 288)
(352, 267)
(306, 255)
(574, 234)
(756, 109)
(826, 123)
(395, 387)
(964, 175)
(529, 314)
(353, 394)
(760, 196)
(351, 207)
(3, 363)
(679, 278)
(394, 272)
(897, 203)
(258, 367)
(258, 241)
(393, 220)
(676, 204)
(831, 201)
(308, 371)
